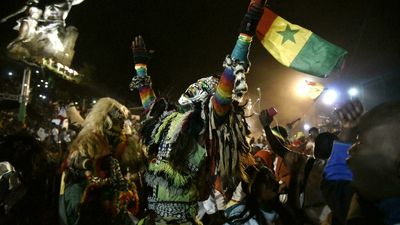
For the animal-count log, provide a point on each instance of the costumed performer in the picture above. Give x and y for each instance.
(200, 145)
(94, 189)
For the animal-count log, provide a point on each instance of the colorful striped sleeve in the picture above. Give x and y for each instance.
(223, 96)
(146, 92)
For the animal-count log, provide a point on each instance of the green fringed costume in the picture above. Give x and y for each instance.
(201, 144)
(189, 155)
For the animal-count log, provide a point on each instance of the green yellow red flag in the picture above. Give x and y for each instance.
(297, 47)
(314, 89)
(310, 89)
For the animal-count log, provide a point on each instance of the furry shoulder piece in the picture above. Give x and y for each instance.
(158, 111)
(130, 154)
(92, 145)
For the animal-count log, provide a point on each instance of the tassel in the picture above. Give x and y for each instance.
(220, 147)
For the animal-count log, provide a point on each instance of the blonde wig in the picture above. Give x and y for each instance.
(91, 141)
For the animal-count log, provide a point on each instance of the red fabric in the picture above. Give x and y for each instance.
(281, 171)
(265, 23)
(266, 157)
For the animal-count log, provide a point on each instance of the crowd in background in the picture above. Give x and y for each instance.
(304, 181)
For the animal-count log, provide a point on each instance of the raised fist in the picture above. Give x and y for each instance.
(350, 113)
(265, 118)
(251, 18)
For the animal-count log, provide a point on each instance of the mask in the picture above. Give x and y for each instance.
(115, 121)
(199, 91)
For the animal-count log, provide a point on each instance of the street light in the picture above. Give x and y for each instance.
(10, 73)
(330, 97)
(302, 88)
(352, 92)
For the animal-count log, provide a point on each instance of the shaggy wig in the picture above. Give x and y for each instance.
(99, 118)
(91, 142)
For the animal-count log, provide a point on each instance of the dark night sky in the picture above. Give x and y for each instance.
(191, 39)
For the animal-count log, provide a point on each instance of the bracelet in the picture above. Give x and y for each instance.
(233, 63)
(245, 38)
(141, 70)
(241, 49)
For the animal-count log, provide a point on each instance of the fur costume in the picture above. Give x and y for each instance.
(199, 145)
(190, 156)
(94, 171)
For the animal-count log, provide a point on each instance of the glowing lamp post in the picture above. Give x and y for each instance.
(353, 92)
(302, 88)
(330, 97)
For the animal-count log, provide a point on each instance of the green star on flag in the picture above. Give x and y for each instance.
(288, 34)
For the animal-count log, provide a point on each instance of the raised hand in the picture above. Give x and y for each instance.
(253, 15)
(265, 118)
(350, 113)
(349, 116)
(140, 54)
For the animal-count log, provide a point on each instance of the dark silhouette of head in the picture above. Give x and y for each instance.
(313, 132)
(375, 158)
(323, 145)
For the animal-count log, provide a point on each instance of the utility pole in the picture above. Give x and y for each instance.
(24, 96)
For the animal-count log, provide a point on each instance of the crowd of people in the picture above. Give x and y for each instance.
(51, 128)
(31, 159)
(285, 186)
(9, 86)
(31, 154)
(193, 162)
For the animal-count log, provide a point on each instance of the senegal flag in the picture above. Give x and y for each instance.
(297, 47)
(314, 89)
